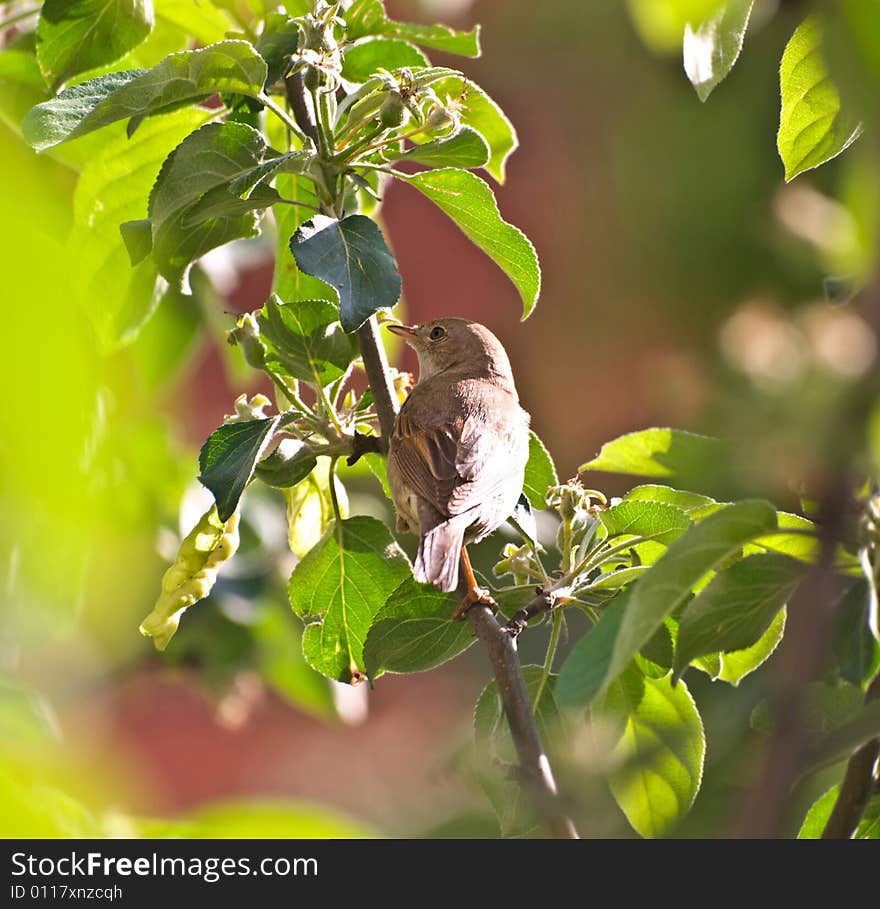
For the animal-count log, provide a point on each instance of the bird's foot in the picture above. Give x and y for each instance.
(475, 596)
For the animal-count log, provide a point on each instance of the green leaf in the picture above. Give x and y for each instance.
(803, 546)
(813, 128)
(352, 257)
(540, 472)
(306, 340)
(278, 40)
(21, 86)
(841, 742)
(633, 616)
(137, 236)
(288, 281)
(361, 60)
(228, 458)
(469, 201)
(712, 48)
(482, 114)
(367, 17)
(495, 749)
(856, 650)
(310, 508)
(735, 665)
(338, 588)
(203, 20)
(657, 453)
(659, 746)
(182, 78)
(467, 148)
(661, 23)
(820, 813)
(112, 187)
(687, 501)
(414, 631)
(290, 463)
(253, 820)
(737, 607)
(661, 522)
(208, 159)
(76, 35)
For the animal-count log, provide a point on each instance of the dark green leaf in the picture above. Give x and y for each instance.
(414, 631)
(76, 35)
(367, 17)
(734, 666)
(469, 201)
(228, 458)
(206, 160)
(467, 148)
(855, 649)
(628, 623)
(659, 749)
(540, 472)
(812, 126)
(138, 238)
(657, 453)
(352, 257)
(305, 339)
(839, 744)
(711, 49)
(338, 588)
(278, 40)
(290, 463)
(363, 59)
(290, 163)
(661, 522)
(221, 204)
(182, 78)
(737, 607)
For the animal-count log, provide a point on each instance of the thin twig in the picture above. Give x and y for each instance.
(858, 783)
(543, 602)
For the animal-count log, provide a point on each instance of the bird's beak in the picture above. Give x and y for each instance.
(405, 331)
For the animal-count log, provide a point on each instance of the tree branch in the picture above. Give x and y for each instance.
(859, 783)
(500, 643)
(535, 773)
(379, 377)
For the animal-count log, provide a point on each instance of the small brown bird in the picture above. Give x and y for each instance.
(458, 452)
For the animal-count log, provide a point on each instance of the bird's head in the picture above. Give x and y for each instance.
(456, 346)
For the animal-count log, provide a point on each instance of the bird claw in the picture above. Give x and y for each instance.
(478, 596)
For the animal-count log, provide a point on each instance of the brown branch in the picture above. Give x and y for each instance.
(379, 377)
(544, 601)
(859, 783)
(535, 773)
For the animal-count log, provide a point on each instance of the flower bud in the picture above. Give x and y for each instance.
(246, 410)
(246, 335)
(190, 579)
(393, 112)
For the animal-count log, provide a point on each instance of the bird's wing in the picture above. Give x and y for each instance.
(454, 465)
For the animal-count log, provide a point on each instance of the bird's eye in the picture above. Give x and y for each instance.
(437, 332)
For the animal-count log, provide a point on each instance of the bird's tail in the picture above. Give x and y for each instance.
(439, 554)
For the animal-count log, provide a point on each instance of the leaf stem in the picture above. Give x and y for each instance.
(557, 617)
(333, 496)
(283, 116)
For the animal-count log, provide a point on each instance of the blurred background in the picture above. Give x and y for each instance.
(684, 284)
